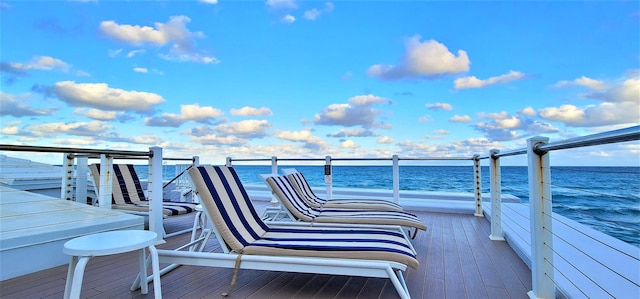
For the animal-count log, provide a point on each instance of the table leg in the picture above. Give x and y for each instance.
(155, 267)
(74, 280)
(72, 266)
(144, 287)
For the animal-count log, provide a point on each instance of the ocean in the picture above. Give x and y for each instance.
(604, 198)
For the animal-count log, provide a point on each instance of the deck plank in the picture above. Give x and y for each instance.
(457, 260)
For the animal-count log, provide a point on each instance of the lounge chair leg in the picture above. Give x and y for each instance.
(415, 232)
(235, 275)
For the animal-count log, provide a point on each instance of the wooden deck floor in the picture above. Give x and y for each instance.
(457, 260)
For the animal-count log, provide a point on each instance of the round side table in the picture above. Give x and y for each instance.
(81, 249)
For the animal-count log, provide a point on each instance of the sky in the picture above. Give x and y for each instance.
(309, 79)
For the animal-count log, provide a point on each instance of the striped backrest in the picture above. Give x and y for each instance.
(284, 190)
(127, 188)
(227, 203)
(302, 186)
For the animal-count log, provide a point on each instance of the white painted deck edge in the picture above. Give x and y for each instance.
(27, 230)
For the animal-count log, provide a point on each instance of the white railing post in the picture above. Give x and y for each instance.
(82, 169)
(274, 171)
(228, 163)
(274, 165)
(540, 215)
(154, 188)
(67, 177)
(328, 179)
(396, 179)
(106, 181)
(496, 197)
(477, 179)
(196, 160)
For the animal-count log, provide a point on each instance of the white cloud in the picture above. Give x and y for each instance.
(174, 33)
(359, 132)
(312, 14)
(504, 127)
(358, 112)
(251, 111)
(134, 53)
(288, 19)
(528, 111)
(349, 144)
(194, 112)
(96, 114)
(304, 135)
(10, 130)
(473, 82)
(310, 141)
(140, 70)
(620, 105)
(209, 1)
(460, 119)
(439, 106)
(281, 4)
(441, 132)
(247, 128)
(101, 96)
(385, 140)
(427, 59)
(15, 106)
(584, 81)
(42, 63)
(74, 128)
(197, 113)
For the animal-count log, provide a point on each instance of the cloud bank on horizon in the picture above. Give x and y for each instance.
(308, 79)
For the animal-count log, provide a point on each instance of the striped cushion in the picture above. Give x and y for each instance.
(225, 199)
(284, 190)
(128, 194)
(302, 187)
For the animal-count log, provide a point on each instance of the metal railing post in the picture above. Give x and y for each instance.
(155, 192)
(274, 165)
(82, 169)
(540, 214)
(67, 177)
(496, 197)
(396, 179)
(106, 181)
(477, 180)
(196, 160)
(228, 163)
(328, 179)
(274, 171)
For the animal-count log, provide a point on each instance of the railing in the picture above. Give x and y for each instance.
(395, 164)
(543, 249)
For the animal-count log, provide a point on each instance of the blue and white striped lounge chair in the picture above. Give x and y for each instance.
(128, 194)
(302, 187)
(299, 210)
(250, 243)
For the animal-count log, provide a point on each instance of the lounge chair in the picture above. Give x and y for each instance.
(299, 210)
(250, 243)
(302, 187)
(128, 194)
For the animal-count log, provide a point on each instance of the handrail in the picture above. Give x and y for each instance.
(621, 135)
(616, 136)
(51, 149)
(353, 159)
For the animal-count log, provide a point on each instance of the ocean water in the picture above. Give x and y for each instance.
(604, 198)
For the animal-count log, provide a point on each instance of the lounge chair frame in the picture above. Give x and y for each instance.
(300, 264)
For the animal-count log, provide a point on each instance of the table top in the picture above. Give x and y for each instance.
(111, 242)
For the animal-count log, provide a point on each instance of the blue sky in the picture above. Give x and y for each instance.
(311, 78)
